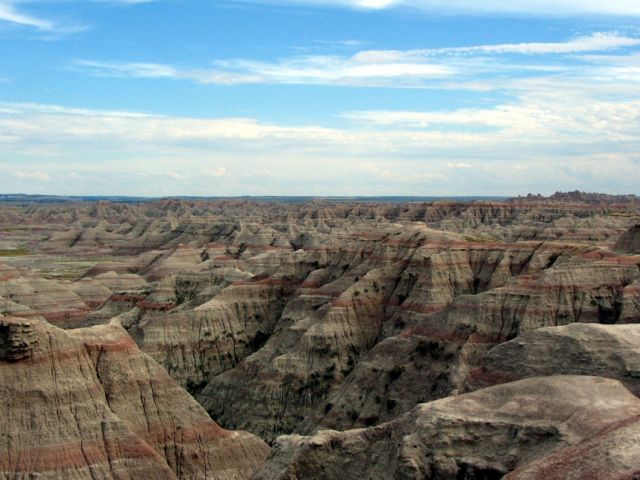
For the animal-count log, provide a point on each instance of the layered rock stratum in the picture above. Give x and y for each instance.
(285, 318)
(88, 403)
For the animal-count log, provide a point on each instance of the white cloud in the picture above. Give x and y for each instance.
(175, 175)
(558, 113)
(8, 13)
(402, 174)
(544, 114)
(596, 42)
(577, 129)
(520, 7)
(135, 70)
(48, 29)
(156, 70)
(37, 175)
(336, 70)
(29, 123)
(389, 68)
(216, 172)
(375, 4)
(11, 11)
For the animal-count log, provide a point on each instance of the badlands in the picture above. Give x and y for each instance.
(324, 339)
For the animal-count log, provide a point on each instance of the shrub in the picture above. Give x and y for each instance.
(369, 421)
(395, 372)
(195, 387)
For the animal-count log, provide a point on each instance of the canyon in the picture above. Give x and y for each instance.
(240, 338)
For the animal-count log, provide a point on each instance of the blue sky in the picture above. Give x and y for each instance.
(304, 97)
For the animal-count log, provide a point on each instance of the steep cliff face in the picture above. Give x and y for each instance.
(90, 404)
(158, 410)
(371, 288)
(431, 357)
(484, 434)
(61, 425)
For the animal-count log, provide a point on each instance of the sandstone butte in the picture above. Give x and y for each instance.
(461, 340)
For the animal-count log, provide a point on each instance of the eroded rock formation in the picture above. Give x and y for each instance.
(285, 318)
(611, 351)
(629, 242)
(485, 434)
(89, 404)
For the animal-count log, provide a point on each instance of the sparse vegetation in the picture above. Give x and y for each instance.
(14, 252)
(391, 404)
(195, 387)
(329, 372)
(480, 239)
(370, 421)
(395, 372)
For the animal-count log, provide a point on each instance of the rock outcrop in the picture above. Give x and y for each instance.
(17, 339)
(612, 454)
(89, 404)
(484, 434)
(52, 299)
(611, 351)
(629, 242)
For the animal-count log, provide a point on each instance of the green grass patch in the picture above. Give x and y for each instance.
(56, 275)
(14, 252)
(480, 239)
(82, 260)
(13, 229)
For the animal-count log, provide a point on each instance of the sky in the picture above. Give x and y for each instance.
(319, 97)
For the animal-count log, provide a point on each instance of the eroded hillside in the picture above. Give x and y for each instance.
(293, 318)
